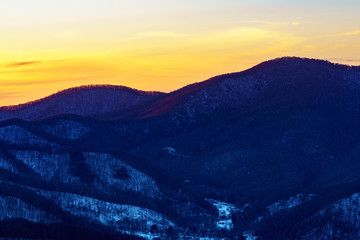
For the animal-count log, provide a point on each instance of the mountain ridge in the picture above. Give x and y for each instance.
(161, 102)
(83, 100)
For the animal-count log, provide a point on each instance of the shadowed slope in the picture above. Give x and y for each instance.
(84, 101)
(276, 80)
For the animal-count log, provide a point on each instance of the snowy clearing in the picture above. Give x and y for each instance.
(225, 212)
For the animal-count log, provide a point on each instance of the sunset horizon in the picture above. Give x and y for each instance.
(99, 85)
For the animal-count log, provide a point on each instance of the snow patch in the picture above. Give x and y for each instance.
(333, 217)
(248, 235)
(7, 166)
(289, 203)
(17, 135)
(67, 129)
(147, 236)
(117, 216)
(170, 150)
(55, 167)
(48, 166)
(105, 167)
(225, 212)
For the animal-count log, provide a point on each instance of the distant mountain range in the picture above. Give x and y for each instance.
(267, 153)
(228, 90)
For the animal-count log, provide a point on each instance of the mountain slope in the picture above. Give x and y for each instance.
(83, 101)
(283, 79)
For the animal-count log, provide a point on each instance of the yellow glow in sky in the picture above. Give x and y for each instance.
(47, 46)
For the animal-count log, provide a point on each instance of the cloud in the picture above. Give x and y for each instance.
(4, 95)
(21, 64)
(11, 67)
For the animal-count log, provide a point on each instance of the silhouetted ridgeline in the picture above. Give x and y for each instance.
(120, 102)
(85, 101)
(276, 78)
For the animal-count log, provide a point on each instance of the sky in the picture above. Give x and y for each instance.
(48, 45)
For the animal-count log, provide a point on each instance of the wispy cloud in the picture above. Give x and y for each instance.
(33, 66)
(21, 64)
(9, 96)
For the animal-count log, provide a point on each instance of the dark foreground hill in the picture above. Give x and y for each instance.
(271, 152)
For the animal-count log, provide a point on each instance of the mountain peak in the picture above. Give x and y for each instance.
(83, 88)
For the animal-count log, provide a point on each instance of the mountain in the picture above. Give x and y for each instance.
(275, 80)
(84, 101)
(267, 153)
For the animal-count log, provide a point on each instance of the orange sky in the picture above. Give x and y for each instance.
(48, 45)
